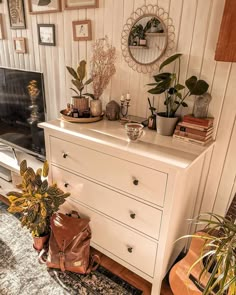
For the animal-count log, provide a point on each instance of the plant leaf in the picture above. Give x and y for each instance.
(23, 167)
(179, 86)
(170, 60)
(195, 86)
(162, 76)
(72, 72)
(45, 169)
(81, 70)
(88, 81)
(157, 90)
(184, 104)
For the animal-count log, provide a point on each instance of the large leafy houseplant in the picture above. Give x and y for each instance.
(169, 84)
(218, 254)
(78, 79)
(37, 201)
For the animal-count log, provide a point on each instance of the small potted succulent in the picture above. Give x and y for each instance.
(80, 101)
(168, 84)
(138, 33)
(37, 202)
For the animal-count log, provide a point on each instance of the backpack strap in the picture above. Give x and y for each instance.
(93, 263)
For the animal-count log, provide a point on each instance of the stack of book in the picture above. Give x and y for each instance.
(194, 130)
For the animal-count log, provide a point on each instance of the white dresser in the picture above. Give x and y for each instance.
(137, 195)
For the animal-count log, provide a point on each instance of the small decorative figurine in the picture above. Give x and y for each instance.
(113, 110)
(125, 104)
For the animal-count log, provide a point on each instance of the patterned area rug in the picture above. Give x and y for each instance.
(21, 274)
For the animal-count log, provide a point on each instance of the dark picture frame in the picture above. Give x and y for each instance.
(82, 30)
(47, 6)
(46, 34)
(16, 13)
(81, 4)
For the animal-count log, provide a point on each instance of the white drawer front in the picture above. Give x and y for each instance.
(120, 241)
(129, 211)
(140, 181)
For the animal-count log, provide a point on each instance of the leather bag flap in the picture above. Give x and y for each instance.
(66, 228)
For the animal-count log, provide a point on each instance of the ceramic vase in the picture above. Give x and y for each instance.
(96, 107)
(39, 242)
(165, 125)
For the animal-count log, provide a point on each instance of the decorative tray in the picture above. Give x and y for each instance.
(80, 120)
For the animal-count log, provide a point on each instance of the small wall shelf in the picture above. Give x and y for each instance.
(138, 46)
(156, 34)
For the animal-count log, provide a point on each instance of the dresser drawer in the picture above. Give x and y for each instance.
(129, 246)
(137, 180)
(135, 214)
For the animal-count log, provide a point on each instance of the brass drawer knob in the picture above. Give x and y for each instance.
(66, 184)
(64, 155)
(135, 181)
(132, 215)
(130, 249)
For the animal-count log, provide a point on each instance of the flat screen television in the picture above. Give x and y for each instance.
(22, 107)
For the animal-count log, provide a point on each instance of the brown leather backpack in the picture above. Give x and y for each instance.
(69, 244)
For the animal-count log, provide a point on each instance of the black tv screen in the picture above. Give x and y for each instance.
(22, 107)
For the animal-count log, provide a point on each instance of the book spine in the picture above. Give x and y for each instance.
(196, 122)
(194, 126)
(194, 131)
(191, 135)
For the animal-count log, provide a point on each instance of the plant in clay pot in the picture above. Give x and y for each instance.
(169, 84)
(102, 69)
(80, 100)
(154, 26)
(37, 202)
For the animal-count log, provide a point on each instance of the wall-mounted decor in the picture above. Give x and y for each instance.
(80, 4)
(46, 34)
(19, 45)
(16, 14)
(147, 38)
(82, 30)
(44, 6)
(1, 28)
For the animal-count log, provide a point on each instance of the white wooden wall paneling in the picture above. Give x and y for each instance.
(222, 141)
(228, 175)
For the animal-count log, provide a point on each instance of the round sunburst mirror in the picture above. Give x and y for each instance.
(147, 38)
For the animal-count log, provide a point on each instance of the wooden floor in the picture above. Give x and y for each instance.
(130, 277)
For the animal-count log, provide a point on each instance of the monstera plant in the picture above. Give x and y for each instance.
(36, 202)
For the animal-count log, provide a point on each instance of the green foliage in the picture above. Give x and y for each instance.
(168, 83)
(219, 250)
(79, 75)
(37, 201)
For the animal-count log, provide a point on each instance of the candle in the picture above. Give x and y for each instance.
(122, 98)
(128, 97)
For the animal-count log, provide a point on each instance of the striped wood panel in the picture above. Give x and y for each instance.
(196, 28)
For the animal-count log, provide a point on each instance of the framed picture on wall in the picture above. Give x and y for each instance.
(44, 6)
(19, 45)
(46, 34)
(16, 14)
(1, 28)
(80, 4)
(82, 30)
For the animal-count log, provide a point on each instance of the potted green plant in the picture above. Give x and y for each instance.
(211, 257)
(37, 202)
(154, 26)
(80, 101)
(138, 33)
(169, 84)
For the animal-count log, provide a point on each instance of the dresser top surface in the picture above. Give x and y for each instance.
(151, 145)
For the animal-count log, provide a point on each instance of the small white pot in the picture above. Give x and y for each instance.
(165, 125)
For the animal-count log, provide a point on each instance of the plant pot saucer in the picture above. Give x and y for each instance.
(80, 120)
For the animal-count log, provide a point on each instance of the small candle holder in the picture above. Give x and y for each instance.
(124, 105)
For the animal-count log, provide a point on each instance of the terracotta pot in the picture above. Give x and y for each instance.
(96, 107)
(165, 125)
(39, 242)
(80, 103)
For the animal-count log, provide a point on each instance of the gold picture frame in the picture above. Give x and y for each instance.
(47, 6)
(81, 4)
(19, 44)
(82, 30)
